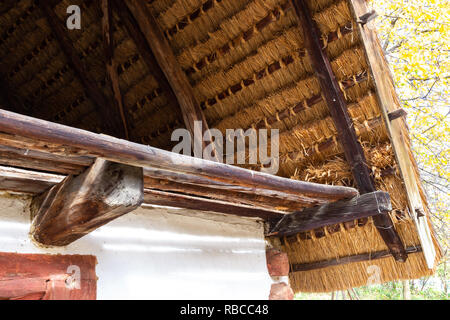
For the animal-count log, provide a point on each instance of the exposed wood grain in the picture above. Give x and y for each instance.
(111, 125)
(47, 135)
(398, 130)
(111, 65)
(366, 205)
(349, 259)
(176, 77)
(26, 181)
(162, 198)
(347, 137)
(80, 204)
(37, 160)
(204, 181)
(233, 197)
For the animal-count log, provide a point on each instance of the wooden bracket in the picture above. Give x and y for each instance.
(78, 205)
(366, 205)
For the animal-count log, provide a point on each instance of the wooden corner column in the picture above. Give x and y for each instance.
(81, 204)
(337, 105)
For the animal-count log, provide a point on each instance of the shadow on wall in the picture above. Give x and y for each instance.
(161, 253)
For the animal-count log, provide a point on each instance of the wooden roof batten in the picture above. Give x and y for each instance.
(176, 77)
(337, 106)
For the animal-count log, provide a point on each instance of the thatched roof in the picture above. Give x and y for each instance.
(248, 67)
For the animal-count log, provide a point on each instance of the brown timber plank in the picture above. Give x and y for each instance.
(366, 205)
(349, 259)
(51, 136)
(93, 90)
(26, 181)
(337, 105)
(78, 205)
(224, 195)
(397, 130)
(162, 198)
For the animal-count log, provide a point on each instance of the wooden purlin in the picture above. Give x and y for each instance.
(41, 135)
(46, 141)
(337, 105)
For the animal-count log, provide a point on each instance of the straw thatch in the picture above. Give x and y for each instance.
(248, 67)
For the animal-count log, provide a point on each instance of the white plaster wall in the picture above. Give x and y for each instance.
(160, 253)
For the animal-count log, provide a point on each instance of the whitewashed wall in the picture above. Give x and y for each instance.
(159, 253)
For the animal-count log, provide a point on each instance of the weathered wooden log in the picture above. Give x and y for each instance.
(204, 181)
(370, 256)
(366, 205)
(162, 198)
(30, 159)
(25, 181)
(337, 105)
(225, 195)
(78, 205)
(43, 136)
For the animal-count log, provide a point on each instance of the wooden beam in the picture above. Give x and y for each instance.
(31, 159)
(366, 205)
(204, 181)
(41, 135)
(111, 65)
(162, 198)
(26, 181)
(398, 130)
(349, 259)
(233, 197)
(337, 105)
(176, 77)
(81, 204)
(93, 90)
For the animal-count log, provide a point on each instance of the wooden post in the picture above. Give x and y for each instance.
(78, 205)
(337, 105)
(178, 80)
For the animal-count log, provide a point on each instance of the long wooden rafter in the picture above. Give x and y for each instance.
(144, 50)
(111, 65)
(111, 125)
(337, 105)
(190, 108)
